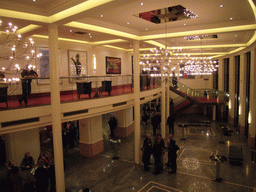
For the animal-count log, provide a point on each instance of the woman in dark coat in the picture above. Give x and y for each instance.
(158, 152)
(146, 152)
(42, 177)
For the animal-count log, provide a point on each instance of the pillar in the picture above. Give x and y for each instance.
(167, 97)
(163, 103)
(252, 106)
(231, 113)
(125, 125)
(18, 143)
(136, 76)
(55, 105)
(90, 135)
(221, 75)
(242, 94)
(214, 112)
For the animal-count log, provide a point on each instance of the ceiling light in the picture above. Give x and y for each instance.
(221, 5)
(231, 18)
(101, 16)
(70, 30)
(185, 24)
(141, 3)
(146, 29)
(128, 23)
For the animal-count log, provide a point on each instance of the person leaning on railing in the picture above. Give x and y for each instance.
(27, 76)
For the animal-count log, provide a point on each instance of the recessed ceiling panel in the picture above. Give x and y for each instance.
(168, 14)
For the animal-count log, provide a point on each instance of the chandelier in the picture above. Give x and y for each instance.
(200, 67)
(15, 53)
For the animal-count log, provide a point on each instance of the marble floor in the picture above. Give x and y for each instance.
(195, 172)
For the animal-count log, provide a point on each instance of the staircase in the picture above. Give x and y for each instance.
(184, 104)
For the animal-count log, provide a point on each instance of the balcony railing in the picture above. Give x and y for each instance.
(73, 89)
(200, 94)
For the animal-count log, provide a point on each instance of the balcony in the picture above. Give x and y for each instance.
(73, 89)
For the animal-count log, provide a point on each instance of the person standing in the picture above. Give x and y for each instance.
(172, 154)
(154, 123)
(158, 147)
(42, 177)
(168, 146)
(70, 128)
(43, 158)
(112, 124)
(27, 76)
(170, 122)
(26, 165)
(146, 152)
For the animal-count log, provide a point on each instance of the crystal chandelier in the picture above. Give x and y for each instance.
(15, 52)
(200, 67)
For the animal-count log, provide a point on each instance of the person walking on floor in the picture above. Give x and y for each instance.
(158, 152)
(146, 152)
(170, 122)
(112, 124)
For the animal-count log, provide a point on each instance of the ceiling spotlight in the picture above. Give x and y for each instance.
(141, 3)
(231, 18)
(221, 5)
(101, 16)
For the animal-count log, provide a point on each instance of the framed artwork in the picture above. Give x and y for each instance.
(77, 63)
(44, 65)
(113, 65)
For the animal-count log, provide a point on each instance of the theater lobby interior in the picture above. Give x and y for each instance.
(193, 60)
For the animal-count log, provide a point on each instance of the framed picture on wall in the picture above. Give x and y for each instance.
(113, 65)
(77, 63)
(44, 65)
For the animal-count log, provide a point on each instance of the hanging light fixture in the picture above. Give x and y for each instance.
(15, 51)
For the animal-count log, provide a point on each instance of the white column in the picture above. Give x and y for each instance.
(163, 119)
(125, 125)
(252, 106)
(167, 97)
(221, 75)
(214, 112)
(18, 143)
(242, 93)
(91, 136)
(55, 103)
(232, 89)
(136, 76)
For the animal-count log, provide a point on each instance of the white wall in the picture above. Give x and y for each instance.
(99, 51)
(17, 144)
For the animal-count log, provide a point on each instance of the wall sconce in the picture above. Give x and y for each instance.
(94, 63)
(249, 117)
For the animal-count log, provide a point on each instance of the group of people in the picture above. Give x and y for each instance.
(30, 176)
(158, 149)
